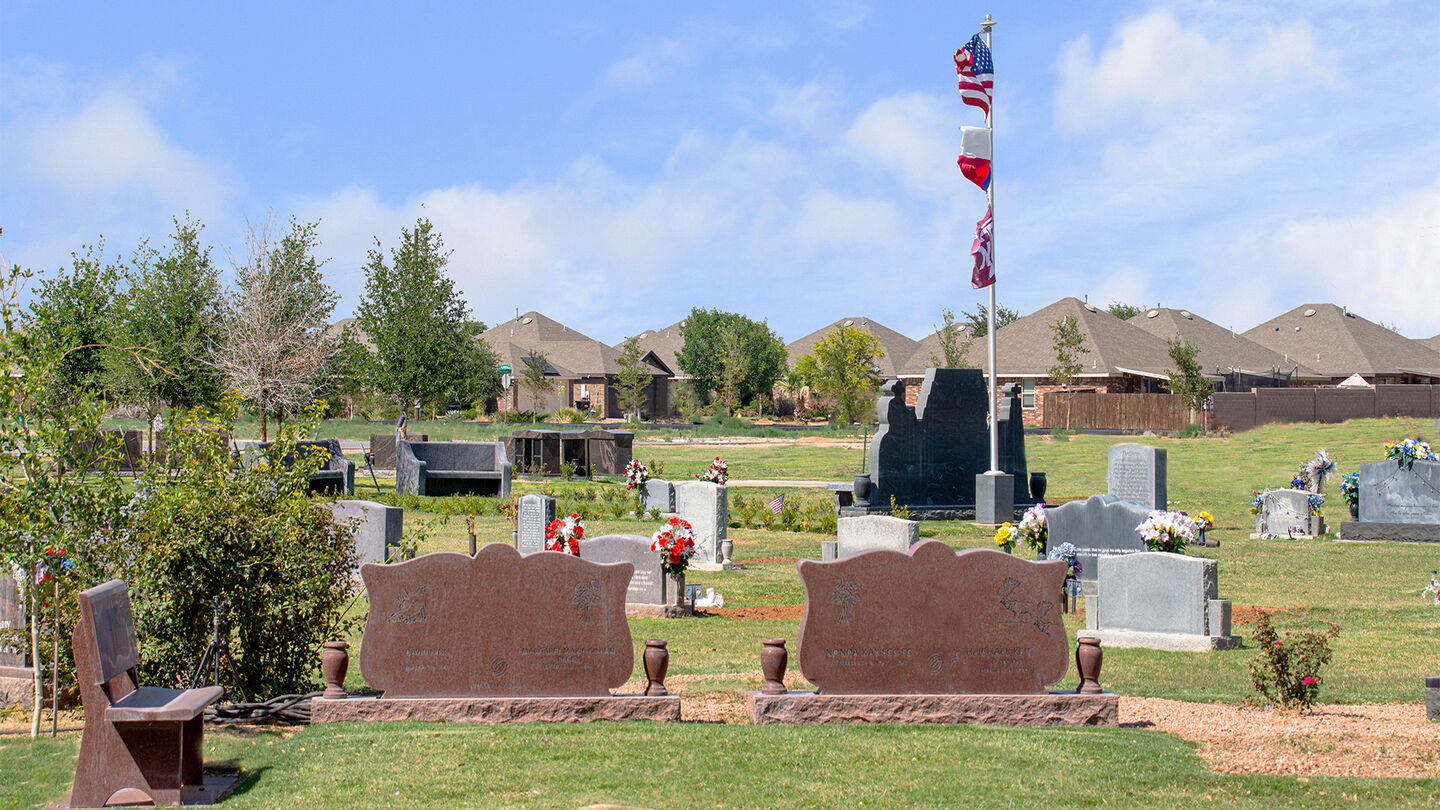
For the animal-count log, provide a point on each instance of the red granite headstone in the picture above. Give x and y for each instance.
(932, 622)
(496, 624)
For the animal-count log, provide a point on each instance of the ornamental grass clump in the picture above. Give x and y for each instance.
(1286, 674)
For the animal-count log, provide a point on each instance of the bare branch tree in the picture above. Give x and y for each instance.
(275, 322)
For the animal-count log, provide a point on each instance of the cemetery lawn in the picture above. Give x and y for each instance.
(693, 765)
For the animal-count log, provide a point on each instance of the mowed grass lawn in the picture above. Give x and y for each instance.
(1389, 641)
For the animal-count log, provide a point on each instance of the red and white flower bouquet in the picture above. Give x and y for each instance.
(676, 543)
(718, 473)
(563, 534)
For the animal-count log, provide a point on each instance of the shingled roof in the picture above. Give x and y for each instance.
(929, 346)
(1338, 343)
(1433, 344)
(1221, 350)
(1026, 347)
(664, 344)
(898, 348)
(570, 353)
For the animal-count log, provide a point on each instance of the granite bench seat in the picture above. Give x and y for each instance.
(157, 704)
(336, 477)
(452, 468)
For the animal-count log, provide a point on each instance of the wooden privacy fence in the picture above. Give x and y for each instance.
(1113, 411)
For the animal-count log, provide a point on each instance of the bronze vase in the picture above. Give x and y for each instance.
(773, 659)
(679, 588)
(334, 662)
(657, 662)
(1088, 657)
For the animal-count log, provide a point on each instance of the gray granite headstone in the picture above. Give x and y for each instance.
(12, 617)
(1283, 513)
(648, 585)
(659, 495)
(704, 506)
(856, 534)
(378, 531)
(1099, 526)
(1394, 493)
(1136, 473)
(1158, 592)
(535, 513)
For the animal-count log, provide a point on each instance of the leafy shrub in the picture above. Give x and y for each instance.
(567, 470)
(245, 533)
(528, 417)
(902, 512)
(1287, 671)
(571, 415)
(1191, 431)
(789, 516)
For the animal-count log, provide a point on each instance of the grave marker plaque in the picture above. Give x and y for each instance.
(378, 530)
(1099, 526)
(932, 622)
(496, 624)
(1137, 473)
(648, 584)
(1283, 513)
(535, 513)
(1394, 493)
(659, 495)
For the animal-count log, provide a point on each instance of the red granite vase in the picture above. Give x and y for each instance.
(334, 662)
(1088, 657)
(657, 663)
(773, 659)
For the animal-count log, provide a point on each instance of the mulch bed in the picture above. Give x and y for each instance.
(758, 612)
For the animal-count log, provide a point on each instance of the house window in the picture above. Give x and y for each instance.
(1027, 393)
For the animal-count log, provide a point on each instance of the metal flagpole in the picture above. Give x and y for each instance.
(990, 320)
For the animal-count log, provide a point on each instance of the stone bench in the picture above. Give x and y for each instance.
(451, 468)
(144, 738)
(338, 474)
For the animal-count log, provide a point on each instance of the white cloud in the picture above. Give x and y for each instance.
(650, 64)
(907, 135)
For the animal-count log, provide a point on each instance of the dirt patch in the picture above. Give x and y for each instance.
(763, 560)
(1367, 740)
(758, 612)
(1248, 614)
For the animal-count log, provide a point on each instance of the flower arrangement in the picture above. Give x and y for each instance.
(1433, 589)
(1032, 528)
(1297, 483)
(1005, 537)
(1350, 488)
(54, 565)
(718, 473)
(636, 474)
(1316, 501)
(1066, 554)
(1204, 520)
(1257, 502)
(1168, 531)
(676, 543)
(1409, 451)
(563, 534)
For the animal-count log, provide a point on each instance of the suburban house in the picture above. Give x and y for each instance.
(581, 370)
(928, 353)
(898, 348)
(1432, 343)
(1232, 361)
(659, 349)
(1121, 358)
(1337, 343)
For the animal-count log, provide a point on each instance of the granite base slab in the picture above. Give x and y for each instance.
(214, 790)
(17, 685)
(1180, 642)
(1049, 709)
(1372, 532)
(497, 709)
(1432, 699)
(659, 611)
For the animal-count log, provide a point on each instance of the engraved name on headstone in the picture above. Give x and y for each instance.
(12, 617)
(932, 621)
(1394, 493)
(496, 624)
(1136, 473)
(534, 514)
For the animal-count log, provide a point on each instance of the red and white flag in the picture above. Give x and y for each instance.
(975, 155)
(984, 273)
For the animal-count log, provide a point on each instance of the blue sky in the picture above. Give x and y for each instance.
(613, 165)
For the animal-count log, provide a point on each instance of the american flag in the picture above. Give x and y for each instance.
(977, 74)
(777, 503)
(984, 273)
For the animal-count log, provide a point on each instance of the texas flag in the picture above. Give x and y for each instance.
(975, 155)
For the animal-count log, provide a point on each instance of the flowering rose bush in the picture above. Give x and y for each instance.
(1168, 531)
(636, 474)
(1005, 537)
(718, 473)
(1032, 528)
(1287, 671)
(563, 534)
(676, 543)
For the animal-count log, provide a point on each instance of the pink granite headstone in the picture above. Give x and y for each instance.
(932, 622)
(496, 624)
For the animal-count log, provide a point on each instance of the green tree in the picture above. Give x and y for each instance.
(979, 319)
(1070, 348)
(754, 361)
(841, 370)
(76, 310)
(275, 326)
(1187, 379)
(418, 323)
(955, 343)
(532, 377)
(634, 376)
(172, 309)
(1124, 311)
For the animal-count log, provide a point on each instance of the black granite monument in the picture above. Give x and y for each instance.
(927, 456)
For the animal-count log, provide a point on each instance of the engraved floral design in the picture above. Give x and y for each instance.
(1039, 615)
(410, 607)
